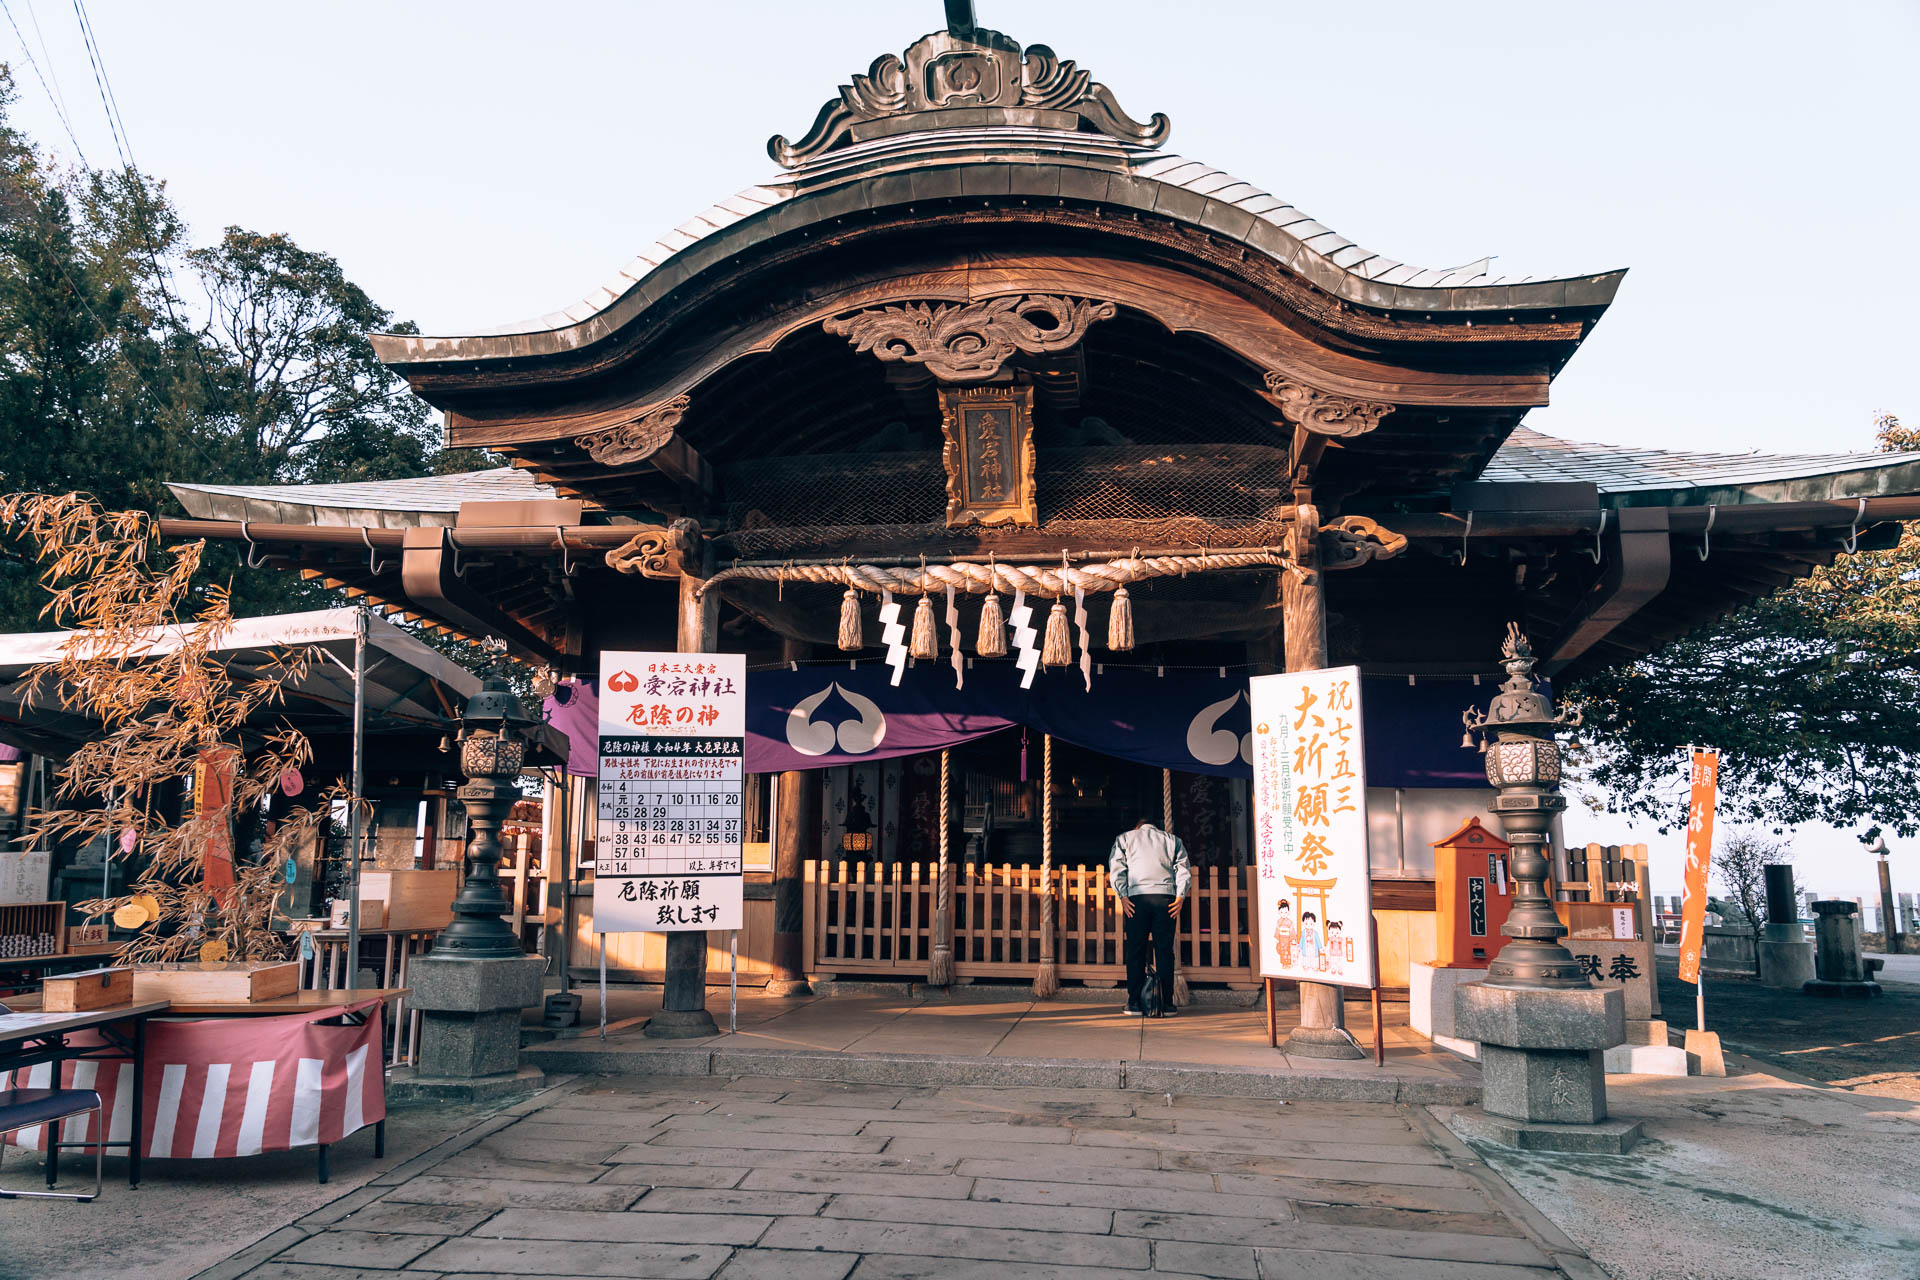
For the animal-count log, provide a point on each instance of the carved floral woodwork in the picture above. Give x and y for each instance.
(1322, 412)
(982, 68)
(1352, 541)
(989, 454)
(970, 341)
(637, 440)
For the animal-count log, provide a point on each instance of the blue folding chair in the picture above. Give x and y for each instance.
(25, 1108)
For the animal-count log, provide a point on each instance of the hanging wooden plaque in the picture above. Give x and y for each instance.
(989, 454)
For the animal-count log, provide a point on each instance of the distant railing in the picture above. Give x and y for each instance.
(878, 918)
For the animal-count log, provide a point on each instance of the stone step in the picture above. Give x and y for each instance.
(1646, 1031)
(1646, 1060)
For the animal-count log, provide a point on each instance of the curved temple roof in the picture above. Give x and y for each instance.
(1057, 145)
(1625, 476)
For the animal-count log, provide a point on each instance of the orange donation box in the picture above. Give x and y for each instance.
(1472, 893)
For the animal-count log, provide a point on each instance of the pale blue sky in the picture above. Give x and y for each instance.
(1752, 163)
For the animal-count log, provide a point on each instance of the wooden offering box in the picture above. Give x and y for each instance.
(88, 990)
(29, 929)
(232, 982)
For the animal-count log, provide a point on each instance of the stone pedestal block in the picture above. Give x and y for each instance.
(1541, 1049)
(1608, 1138)
(1543, 1086)
(470, 1013)
(1430, 996)
(1787, 966)
(1536, 1018)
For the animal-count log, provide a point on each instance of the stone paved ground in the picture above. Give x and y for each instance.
(666, 1176)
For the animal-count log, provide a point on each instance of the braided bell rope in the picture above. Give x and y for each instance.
(979, 579)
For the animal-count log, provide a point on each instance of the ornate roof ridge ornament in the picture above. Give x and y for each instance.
(638, 439)
(979, 69)
(970, 341)
(1323, 412)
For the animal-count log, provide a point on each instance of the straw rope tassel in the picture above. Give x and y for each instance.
(1181, 996)
(926, 640)
(940, 963)
(850, 639)
(1046, 984)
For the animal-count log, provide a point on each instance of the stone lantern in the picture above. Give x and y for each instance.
(1541, 1025)
(472, 987)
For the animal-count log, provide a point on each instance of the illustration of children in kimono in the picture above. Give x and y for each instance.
(1333, 951)
(1283, 934)
(1310, 943)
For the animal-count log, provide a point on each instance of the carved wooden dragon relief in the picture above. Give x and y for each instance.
(637, 440)
(970, 342)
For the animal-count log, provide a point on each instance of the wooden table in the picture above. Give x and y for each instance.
(29, 1038)
(298, 1002)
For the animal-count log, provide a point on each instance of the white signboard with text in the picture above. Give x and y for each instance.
(667, 855)
(1310, 828)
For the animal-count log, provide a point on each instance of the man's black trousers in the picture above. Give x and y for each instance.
(1150, 920)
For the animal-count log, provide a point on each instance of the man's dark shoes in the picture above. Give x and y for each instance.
(1133, 1011)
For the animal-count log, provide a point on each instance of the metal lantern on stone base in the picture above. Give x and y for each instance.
(1523, 766)
(493, 747)
(471, 988)
(1541, 1026)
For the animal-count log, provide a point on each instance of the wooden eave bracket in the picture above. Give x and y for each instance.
(428, 581)
(669, 553)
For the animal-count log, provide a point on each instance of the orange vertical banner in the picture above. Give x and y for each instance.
(213, 782)
(1693, 906)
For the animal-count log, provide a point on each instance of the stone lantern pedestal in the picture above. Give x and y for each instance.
(470, 1013)
(471, 989)
(1840, 970)
(1542, 1076)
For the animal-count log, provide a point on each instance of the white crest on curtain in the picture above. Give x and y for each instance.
(855, 737)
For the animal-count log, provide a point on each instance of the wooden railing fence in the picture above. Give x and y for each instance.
(877, 918)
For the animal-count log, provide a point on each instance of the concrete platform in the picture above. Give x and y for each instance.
(988, 1037)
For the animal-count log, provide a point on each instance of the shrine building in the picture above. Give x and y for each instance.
(1104, 431)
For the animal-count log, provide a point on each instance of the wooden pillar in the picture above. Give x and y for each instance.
(796, 837)
(1322, 1032)
(683, 1009)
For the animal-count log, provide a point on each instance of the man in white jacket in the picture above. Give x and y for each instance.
(1148, 868)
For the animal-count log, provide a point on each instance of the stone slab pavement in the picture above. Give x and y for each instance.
(735, 1177)
(1003, 1034)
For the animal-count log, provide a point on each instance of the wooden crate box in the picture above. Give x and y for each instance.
(87, 990)
(232, 982)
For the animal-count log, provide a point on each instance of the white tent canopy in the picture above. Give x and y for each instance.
(409, 685)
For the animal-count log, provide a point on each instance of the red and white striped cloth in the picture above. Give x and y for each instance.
(232, 1086)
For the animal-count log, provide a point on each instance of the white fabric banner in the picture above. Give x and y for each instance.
(667, 846)
(1310, 828)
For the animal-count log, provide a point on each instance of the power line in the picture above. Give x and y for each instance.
(53, 72)
(162, 275)
(59, 108)
(100, 82)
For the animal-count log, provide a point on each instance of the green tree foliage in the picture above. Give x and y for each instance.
(128, 358)
(1811, 696)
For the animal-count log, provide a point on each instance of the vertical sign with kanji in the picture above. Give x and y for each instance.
(667, 854)
(1310, 827)
(1693, 905)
